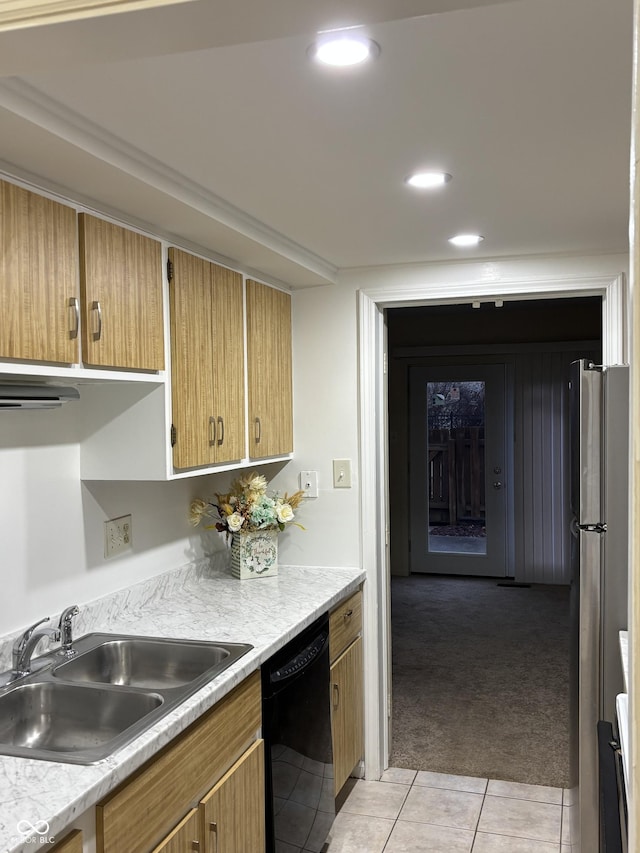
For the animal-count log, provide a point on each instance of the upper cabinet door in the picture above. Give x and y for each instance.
(192, 374)
(207, 362)
(121, 287)
(228, 364)
(39, 277)
(269, 371)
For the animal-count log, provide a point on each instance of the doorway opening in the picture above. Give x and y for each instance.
(478, 494)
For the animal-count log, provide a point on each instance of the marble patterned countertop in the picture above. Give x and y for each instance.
(191, 603)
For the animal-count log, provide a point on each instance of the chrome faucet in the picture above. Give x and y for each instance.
(66, 631)
(25, 646)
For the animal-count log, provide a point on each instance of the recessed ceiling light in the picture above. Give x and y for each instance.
(428, 180)
(342, 49)
(466, 240)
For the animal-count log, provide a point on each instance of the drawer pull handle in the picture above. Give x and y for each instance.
(212, 431)
(348, 615)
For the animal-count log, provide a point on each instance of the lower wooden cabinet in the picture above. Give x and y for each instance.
(232, 813)
(206, 786)
(347, 717)
(185, 838)
(71, 843)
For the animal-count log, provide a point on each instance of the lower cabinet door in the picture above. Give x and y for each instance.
(71, 843)
(347, 716)
(184, 838)
(233, 811)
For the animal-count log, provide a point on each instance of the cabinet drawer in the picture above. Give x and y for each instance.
(345, 623)
(145, 808)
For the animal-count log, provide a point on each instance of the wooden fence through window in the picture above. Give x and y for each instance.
(456, 475)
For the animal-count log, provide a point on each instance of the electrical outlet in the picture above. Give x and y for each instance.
(117, 536)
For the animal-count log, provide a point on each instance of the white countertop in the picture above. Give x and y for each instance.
(266, 612)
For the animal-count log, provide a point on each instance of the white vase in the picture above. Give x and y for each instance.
(254, 554)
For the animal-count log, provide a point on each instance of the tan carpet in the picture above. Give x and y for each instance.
(481, 679)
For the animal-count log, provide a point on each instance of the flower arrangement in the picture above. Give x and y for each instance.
(247, 507)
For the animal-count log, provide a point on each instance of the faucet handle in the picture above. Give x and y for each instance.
(66, 615)
(66, 630)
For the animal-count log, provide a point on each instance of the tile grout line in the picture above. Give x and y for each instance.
(475, 831)
(395, 820)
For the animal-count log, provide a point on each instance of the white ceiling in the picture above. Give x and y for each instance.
(253, 152)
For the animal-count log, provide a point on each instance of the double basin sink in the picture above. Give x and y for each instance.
(80, 710)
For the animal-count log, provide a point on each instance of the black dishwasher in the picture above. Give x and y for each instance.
(296, 726)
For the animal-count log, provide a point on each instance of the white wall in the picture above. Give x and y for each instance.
(325, 396)
(51, 524)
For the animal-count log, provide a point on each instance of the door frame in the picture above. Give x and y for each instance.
(373, 439)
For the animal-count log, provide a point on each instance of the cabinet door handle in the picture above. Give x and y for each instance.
(348, 615)
(212, 431)
(75, 307)
(213, 828)
(336, 695)
(95, 306)
(258, 430)
(195, 846)
(221, 422)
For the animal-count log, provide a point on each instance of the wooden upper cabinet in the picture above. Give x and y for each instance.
(39, 277)
(207, 361)
(228, 364)
(121, 288)
(269, 371)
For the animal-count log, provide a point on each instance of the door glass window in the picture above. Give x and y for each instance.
(456, 467)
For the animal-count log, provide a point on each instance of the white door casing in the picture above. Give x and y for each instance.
(373, 445)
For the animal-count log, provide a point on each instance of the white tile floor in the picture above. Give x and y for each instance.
(419, 812)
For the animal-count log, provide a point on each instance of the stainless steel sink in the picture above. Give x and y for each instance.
(116, 686)
(146, 663)
(66, 718)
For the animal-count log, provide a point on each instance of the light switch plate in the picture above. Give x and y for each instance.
(341, 473)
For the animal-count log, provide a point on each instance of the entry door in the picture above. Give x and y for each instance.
(458, 476)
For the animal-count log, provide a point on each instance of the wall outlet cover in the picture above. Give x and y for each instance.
(117, 536)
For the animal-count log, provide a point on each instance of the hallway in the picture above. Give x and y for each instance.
(480, 679)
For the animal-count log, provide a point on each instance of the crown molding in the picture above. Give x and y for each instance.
(30, 103)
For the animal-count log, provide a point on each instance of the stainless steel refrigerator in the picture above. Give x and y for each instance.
(599, 423)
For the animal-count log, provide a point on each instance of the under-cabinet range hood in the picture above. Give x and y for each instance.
(35, 396)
